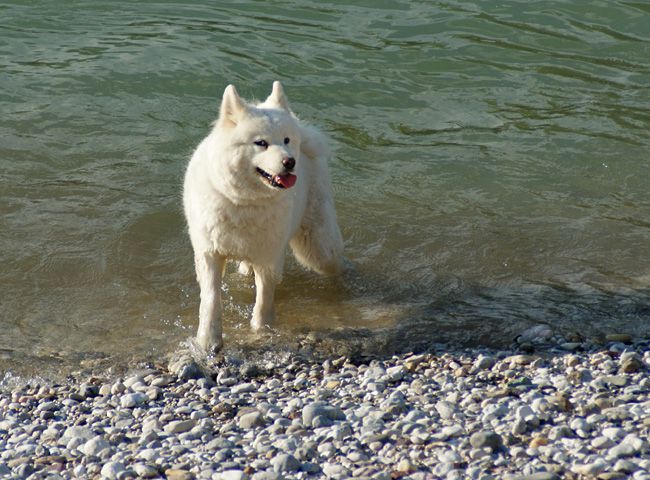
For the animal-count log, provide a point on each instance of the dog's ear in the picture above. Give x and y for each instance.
(232, 107)
(277, 97)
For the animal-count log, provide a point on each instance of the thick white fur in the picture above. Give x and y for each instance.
(234, 213)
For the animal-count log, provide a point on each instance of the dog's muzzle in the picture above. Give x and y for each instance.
(283, 180)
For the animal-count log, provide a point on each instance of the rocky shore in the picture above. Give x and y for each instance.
(564, 411)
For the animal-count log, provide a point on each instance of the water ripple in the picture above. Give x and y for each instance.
(489, 168)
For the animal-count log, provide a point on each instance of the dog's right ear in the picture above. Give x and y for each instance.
(232, 108)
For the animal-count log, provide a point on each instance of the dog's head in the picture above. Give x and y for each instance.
(264, 140)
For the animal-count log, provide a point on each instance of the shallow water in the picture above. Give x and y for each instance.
(491, 169)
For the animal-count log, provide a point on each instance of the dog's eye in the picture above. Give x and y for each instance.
(262, 143)
(286, 140)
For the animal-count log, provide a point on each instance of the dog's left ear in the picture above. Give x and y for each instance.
(277, 97)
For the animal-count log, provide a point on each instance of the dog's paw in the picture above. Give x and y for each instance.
(259, 322)
(207, 347)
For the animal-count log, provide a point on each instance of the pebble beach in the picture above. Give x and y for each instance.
(564, 410)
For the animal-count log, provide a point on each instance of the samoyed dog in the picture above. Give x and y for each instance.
(256, 184)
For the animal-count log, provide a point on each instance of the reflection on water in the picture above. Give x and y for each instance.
(490, 173)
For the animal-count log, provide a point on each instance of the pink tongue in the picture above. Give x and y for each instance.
(287, 180)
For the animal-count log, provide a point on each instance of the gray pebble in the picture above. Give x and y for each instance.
(622, 450)
(320, 409)
(266, 475)
(131, 400)
(486, 439)
(335, 471)
(484, 362)
(94, 446)
(560, 431)
(145, 471)
(243, 388)
(47, 407)
(285, 462)
(180, 426)
(445, 409)
(540, 476)
(81, 434)
(112, 470)
(602, 442)
(590, 469)
(187, 369)
(395, 374)
(233, 475)
(251, 420)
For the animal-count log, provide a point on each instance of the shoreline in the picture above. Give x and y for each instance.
(569, 410)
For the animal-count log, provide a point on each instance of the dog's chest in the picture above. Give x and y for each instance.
(249, 232)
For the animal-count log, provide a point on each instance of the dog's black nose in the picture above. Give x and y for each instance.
(289, 163)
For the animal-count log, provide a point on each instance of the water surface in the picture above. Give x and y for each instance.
(491, 169)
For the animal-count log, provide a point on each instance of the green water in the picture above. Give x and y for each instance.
(492, 169)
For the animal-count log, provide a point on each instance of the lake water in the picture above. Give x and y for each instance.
(492, 169)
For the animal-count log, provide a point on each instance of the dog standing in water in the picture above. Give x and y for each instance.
(257, 183)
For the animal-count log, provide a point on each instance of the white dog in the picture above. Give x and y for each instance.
(257, 183)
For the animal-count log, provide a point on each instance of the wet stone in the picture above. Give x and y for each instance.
(619, 337)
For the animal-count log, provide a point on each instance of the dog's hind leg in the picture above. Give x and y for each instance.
(264, 310)
(209, 272)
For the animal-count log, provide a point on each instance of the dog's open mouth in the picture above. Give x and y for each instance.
(285, 180)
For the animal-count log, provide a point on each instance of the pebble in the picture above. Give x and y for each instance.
(234, 475)
(445, 409)
(180, 426)
(312, 412)
(540, 476)
(619, 337)
(480, 414)
(243, 388)
(484, 362)
(622, 450)
(335, 471)
(145, 471)
(536, 334)
(95, 446)
(178, 474)
(251, 420)
(285, 463)
(132, 400)
(590, 469)
(112, 470)
(486, 439)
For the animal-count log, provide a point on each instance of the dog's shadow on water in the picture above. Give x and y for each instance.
(382, 316)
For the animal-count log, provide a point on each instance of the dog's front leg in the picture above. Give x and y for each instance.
(209, 271)
(264, 310)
